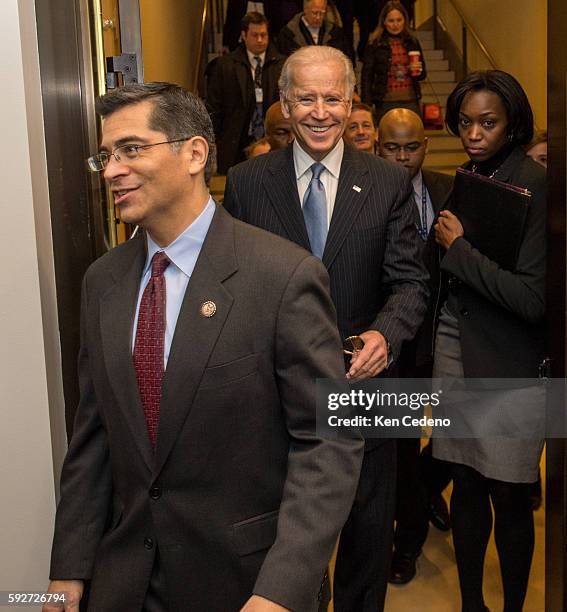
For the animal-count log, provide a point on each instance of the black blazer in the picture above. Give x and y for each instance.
(230, 100)
(501, 313)
(377, 278)
(375, 67)
(240, 486)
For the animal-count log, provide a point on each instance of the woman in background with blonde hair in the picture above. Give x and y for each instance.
(393, 63)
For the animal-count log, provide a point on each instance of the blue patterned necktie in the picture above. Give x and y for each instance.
(315, 211)
(256, 128)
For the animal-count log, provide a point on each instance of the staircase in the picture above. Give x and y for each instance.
(445, 152)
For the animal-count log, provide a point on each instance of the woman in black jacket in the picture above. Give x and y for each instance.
(491, 326)
(393, 63)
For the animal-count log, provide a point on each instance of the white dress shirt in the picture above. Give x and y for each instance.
(329, 177)
(252, 61)
(418, 187)
(183, 253)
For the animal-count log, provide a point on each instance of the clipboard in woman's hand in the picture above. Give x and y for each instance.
(493, 215)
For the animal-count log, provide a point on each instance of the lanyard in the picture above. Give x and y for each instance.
(422, 228)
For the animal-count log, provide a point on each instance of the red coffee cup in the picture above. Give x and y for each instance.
(414, 63)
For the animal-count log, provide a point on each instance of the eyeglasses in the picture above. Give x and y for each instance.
(393, 148)
(125, 153)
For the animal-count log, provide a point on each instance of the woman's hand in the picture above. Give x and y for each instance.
(447, 229)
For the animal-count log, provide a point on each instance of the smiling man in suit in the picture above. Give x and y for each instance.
(352, 210)
(194, 478)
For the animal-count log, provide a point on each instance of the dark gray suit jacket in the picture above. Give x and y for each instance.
(377, 277)
(241, 495)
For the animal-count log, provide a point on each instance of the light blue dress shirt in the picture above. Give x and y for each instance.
(418, 186)
(183, 253)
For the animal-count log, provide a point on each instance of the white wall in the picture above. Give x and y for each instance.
(28, 322)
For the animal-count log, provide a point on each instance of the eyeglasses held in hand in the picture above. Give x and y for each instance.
(352, 345)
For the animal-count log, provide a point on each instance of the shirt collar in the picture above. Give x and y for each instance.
(332, 161)
(185, 249)
(262, 56)
(417, 182)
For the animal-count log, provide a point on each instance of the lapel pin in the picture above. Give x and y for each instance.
(357, 188)
(208, 309)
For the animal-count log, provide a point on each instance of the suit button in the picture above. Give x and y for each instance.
(464, 312)
(148, 543)
(155, 492)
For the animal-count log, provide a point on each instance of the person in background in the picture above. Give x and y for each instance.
(393, 63)
(278, 127)
(207, 485)
(241, 87)
(366, 14)
(361, 131)
(492, 325)
(354, 211)
(310, 27)
(258, 147)
(402, 140)
(537, 149)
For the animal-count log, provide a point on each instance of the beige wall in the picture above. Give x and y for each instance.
(28, 324)
(515, 34)
(170, 40)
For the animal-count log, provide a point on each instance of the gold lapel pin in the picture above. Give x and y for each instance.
(208, 309)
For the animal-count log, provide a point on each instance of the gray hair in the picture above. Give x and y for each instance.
(176, 112)
(315, 54)
(306, 3)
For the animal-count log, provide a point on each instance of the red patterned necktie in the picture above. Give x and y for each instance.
(148, 348)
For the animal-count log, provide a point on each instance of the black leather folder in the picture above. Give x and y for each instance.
(493, 215)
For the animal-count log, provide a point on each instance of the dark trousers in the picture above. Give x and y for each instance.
(436, 473)
(366, 13)
(412, 520)
(365, 546)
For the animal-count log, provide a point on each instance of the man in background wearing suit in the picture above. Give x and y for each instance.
(401, 139)
(194, 478)
(241, 87)
(361, 131)
(353, 211)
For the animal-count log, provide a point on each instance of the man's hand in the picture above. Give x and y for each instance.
(73, 590)
(372, 359)
(261, 604)
(447, 229)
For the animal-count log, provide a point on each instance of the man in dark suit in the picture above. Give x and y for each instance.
(194, 478)
(241, 87)
(401, 139)
(310, 27)
(352, 210)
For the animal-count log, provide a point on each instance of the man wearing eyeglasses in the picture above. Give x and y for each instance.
(310, 28)
(401, 139)
(352, 210)
(194, 478)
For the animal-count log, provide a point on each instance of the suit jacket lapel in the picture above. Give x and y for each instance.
(244, 77)
(195, 334)
(436, 192)
(117, 310)
(353, 189)
(281, 188)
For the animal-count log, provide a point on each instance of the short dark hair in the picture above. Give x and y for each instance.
(176, 112)
(253, 17)
(516, 103)
(360, 106)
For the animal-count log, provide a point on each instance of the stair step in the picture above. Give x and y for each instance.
(441, 99)
(446, 158)
(441, 76)
(422, 35)
(437, 88)
(442, 142)
(437, 65)
(433, 54)
(427, 44)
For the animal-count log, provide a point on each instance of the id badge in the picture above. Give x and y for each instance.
(259, 95)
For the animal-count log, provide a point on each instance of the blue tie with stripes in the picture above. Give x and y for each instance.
(315, 211)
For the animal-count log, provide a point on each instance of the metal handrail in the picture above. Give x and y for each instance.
(466, 27)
